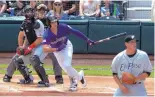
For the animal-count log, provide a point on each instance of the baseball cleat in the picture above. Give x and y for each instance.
(83, 81)
(43, 84)
(73, 88)
(23, 81)
(59, 79)
(7, 78)
(73, 84)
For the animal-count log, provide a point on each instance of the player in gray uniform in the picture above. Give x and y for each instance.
(134, 61)
(41, 15)
(30, 51)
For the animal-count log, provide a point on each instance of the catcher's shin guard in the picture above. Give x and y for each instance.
(7, 78)
(37, 65)
(22, 68)
(43, 84)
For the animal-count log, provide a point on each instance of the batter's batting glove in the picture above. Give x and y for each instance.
(20, 51)
(90, 42)
(61, 47)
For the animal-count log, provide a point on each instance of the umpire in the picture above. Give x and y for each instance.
(41, 15)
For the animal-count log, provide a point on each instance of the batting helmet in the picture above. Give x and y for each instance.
(52, 19)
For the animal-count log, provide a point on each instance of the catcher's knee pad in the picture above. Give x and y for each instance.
(18, 61)
(34, 60)
(37, 65)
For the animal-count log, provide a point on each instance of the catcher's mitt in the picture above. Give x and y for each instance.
(128, 78)
(20, 51)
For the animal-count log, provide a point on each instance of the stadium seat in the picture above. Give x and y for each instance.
(81, 18)
(108, 18)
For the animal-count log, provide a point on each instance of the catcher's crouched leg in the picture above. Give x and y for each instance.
(10, 70)
(28, 79)
(7, 78)
(37, 65)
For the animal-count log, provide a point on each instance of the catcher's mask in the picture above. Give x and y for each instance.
(29, 13)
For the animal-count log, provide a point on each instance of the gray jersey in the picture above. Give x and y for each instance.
(40, 31)
(136, 65)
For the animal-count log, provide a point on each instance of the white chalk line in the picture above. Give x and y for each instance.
(42, 89)
(9, 88)
(110, 88)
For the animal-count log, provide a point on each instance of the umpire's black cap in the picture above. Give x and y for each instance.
(130, 37)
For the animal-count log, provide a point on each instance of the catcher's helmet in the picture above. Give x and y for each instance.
(29, 12)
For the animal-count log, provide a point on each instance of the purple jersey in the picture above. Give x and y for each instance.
(61, 38)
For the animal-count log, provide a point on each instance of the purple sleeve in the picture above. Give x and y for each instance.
(77, 33)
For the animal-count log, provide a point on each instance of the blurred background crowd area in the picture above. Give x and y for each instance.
(80, 9)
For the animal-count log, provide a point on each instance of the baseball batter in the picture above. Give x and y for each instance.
(134, 61)
(56, 41)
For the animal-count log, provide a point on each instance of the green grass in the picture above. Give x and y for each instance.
(99, 70)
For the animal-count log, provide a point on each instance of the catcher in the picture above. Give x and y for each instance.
(29, 51)
(130, 69)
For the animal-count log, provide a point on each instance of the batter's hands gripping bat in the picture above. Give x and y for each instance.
(110, 38)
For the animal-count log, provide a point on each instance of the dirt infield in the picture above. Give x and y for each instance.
(96, 86)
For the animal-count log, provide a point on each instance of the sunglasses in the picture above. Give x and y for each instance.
(57, 4)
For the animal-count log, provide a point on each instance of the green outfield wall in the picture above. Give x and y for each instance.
(94, 29)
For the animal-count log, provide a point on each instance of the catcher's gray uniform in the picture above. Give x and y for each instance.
(56, 67)
(135, 65)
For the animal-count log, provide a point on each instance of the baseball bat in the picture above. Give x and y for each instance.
(111, 37)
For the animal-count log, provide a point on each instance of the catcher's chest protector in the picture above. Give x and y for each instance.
(44, 21)
(30, 32)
